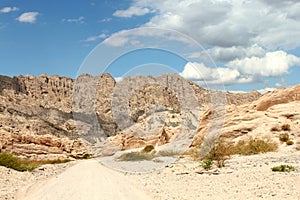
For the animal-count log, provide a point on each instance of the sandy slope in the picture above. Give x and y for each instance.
(243, 177)
(86, 180)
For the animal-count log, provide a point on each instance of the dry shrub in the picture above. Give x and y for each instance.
(284, 137)
(223, 150)
(286, 127)
(275, 129)
(283, 168)
(148, 149)
(135, 156)
(254, 146)
(11, 161)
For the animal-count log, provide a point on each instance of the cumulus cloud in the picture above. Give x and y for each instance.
(132, 11)
(273, 64)
(79, 20)
(226, 23)
(244, 39)
(8, 9)
(202, 74)
(97, 37)
(220, 54)
(139, 35)
(28, 17)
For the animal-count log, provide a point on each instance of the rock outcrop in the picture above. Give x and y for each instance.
(263, 119)
(53, 115)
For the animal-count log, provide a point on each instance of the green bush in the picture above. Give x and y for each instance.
(207, 163)
(10, 161)
(283, 168)
(284, 137)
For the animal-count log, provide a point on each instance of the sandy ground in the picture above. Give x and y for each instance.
(243, 177)
(86, 180)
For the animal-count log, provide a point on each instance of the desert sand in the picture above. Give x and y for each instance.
(243, 177)
(85, 180)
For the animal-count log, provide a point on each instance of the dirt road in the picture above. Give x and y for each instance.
(86, 180)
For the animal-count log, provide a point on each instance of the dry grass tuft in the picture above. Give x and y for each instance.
(11, 161)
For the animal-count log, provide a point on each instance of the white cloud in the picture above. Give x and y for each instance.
(132, 11)
(147, 36)
(273, 64)
(94, 38)
(8, 9)
(28, 17)
(202, 75)
(79, 20)
(221, 54)
(116, 41)
(226, 23)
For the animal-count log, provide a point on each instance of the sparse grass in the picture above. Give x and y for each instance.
(248, 147)
(207, 163)
(10, 161)
(284, 137)
(254, 146)
(283, 168)
(286, 127)
(289, 142)
(224, 150)
(135, 156)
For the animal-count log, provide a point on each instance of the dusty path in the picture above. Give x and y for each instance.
(86, 180)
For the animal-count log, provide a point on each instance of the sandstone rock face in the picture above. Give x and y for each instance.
(36, 119)
(50, 115)
(204, 96)
(280, 96)
(261, 119)
(151, 98)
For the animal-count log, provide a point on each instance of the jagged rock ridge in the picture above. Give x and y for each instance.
(37, 112)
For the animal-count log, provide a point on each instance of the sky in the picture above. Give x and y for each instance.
(239, 45)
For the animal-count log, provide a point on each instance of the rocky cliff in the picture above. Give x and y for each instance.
(50, 115)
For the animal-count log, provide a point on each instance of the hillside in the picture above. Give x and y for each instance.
(50, 117)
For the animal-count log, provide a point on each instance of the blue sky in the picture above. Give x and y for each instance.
(241, 47)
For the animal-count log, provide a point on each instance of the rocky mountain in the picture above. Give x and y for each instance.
(44, 117)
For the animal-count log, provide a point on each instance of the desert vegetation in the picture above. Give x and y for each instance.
(283, 168)
(144, 154)
(223, 150)
(11, 161)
